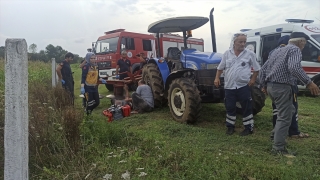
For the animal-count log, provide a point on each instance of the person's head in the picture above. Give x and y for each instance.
(283, 40)
(124, 54)
(89, 57)
(69, 56)
(141, 82)
(89, 49)
(299, 39)
(239, 42)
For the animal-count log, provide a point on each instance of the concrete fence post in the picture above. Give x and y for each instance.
(54, 74)
(16, 111)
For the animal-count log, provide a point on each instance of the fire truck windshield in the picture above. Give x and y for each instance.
(106, 46)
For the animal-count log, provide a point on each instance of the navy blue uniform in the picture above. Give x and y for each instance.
(90, 77)
(124, 66)
(67, 76)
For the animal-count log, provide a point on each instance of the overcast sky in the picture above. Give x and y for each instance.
(74, 24)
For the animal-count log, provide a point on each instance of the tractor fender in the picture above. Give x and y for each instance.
(135, 67)
(173, 75)
(163, 68)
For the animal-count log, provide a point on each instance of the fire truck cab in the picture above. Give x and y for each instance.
(265, 39)
(108, 49)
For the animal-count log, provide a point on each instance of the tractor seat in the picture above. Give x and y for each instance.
(173, 53)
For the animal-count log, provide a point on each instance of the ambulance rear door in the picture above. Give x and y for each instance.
(254, 44)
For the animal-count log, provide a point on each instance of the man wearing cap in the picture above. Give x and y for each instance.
(294, 128)
(124, 65)
(236, 64)
(281, 71)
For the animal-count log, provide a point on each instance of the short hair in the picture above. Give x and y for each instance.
(142, 81)
(124, 52)
(69, 54)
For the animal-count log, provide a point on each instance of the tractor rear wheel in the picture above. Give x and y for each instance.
(258, 101)
(184, 100)
(152, 77)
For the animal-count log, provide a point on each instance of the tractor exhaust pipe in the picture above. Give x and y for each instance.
(213, 34)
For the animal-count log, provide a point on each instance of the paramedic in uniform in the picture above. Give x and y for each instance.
(280, 72)
(89, 83)
(236, 64)
(65, 76)
(124, 65)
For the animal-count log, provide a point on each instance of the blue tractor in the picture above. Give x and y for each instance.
(185, 78)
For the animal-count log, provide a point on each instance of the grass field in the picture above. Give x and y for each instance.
(153, 146)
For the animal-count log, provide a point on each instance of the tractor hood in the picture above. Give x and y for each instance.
(200, 60)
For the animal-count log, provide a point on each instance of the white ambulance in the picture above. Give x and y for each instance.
(265, 39)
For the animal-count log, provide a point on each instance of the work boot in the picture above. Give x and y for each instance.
(246, 132)
(230, 131)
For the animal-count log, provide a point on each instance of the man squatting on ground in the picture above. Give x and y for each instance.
(142, 99)
(236, 63)
(89, 83)
(279, 75)
(294, 128)
(65, 75)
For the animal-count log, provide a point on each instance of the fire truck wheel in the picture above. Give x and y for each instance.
(151, 75)
(109, 87)
(184, 100)
(258, 101)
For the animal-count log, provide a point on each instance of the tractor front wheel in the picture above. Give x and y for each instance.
(184, 100)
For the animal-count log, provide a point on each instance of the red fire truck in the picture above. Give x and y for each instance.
(109, 47)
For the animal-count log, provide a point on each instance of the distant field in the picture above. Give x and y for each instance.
(163, 149)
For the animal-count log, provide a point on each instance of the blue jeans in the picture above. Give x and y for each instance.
(294, 128)
(242, 95)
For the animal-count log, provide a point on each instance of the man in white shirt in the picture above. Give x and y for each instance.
(236, 64)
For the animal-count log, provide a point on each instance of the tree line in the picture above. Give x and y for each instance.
(50, 51)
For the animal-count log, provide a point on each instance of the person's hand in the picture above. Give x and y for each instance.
(117, 76)
(62, 81)
(314, 89)
(104, 81)
(251, 82)
(125, 87)
(264, 91)
(82, 90)
(217, 82)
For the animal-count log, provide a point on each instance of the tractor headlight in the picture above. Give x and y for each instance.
(212, 66)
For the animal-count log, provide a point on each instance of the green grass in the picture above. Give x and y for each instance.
(169, 150)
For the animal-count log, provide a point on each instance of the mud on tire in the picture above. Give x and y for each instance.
(152, 76)
(258, 101)
(184, 100)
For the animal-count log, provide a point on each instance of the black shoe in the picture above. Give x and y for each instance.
(246, 132)
(284, 152)
(230, 131)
